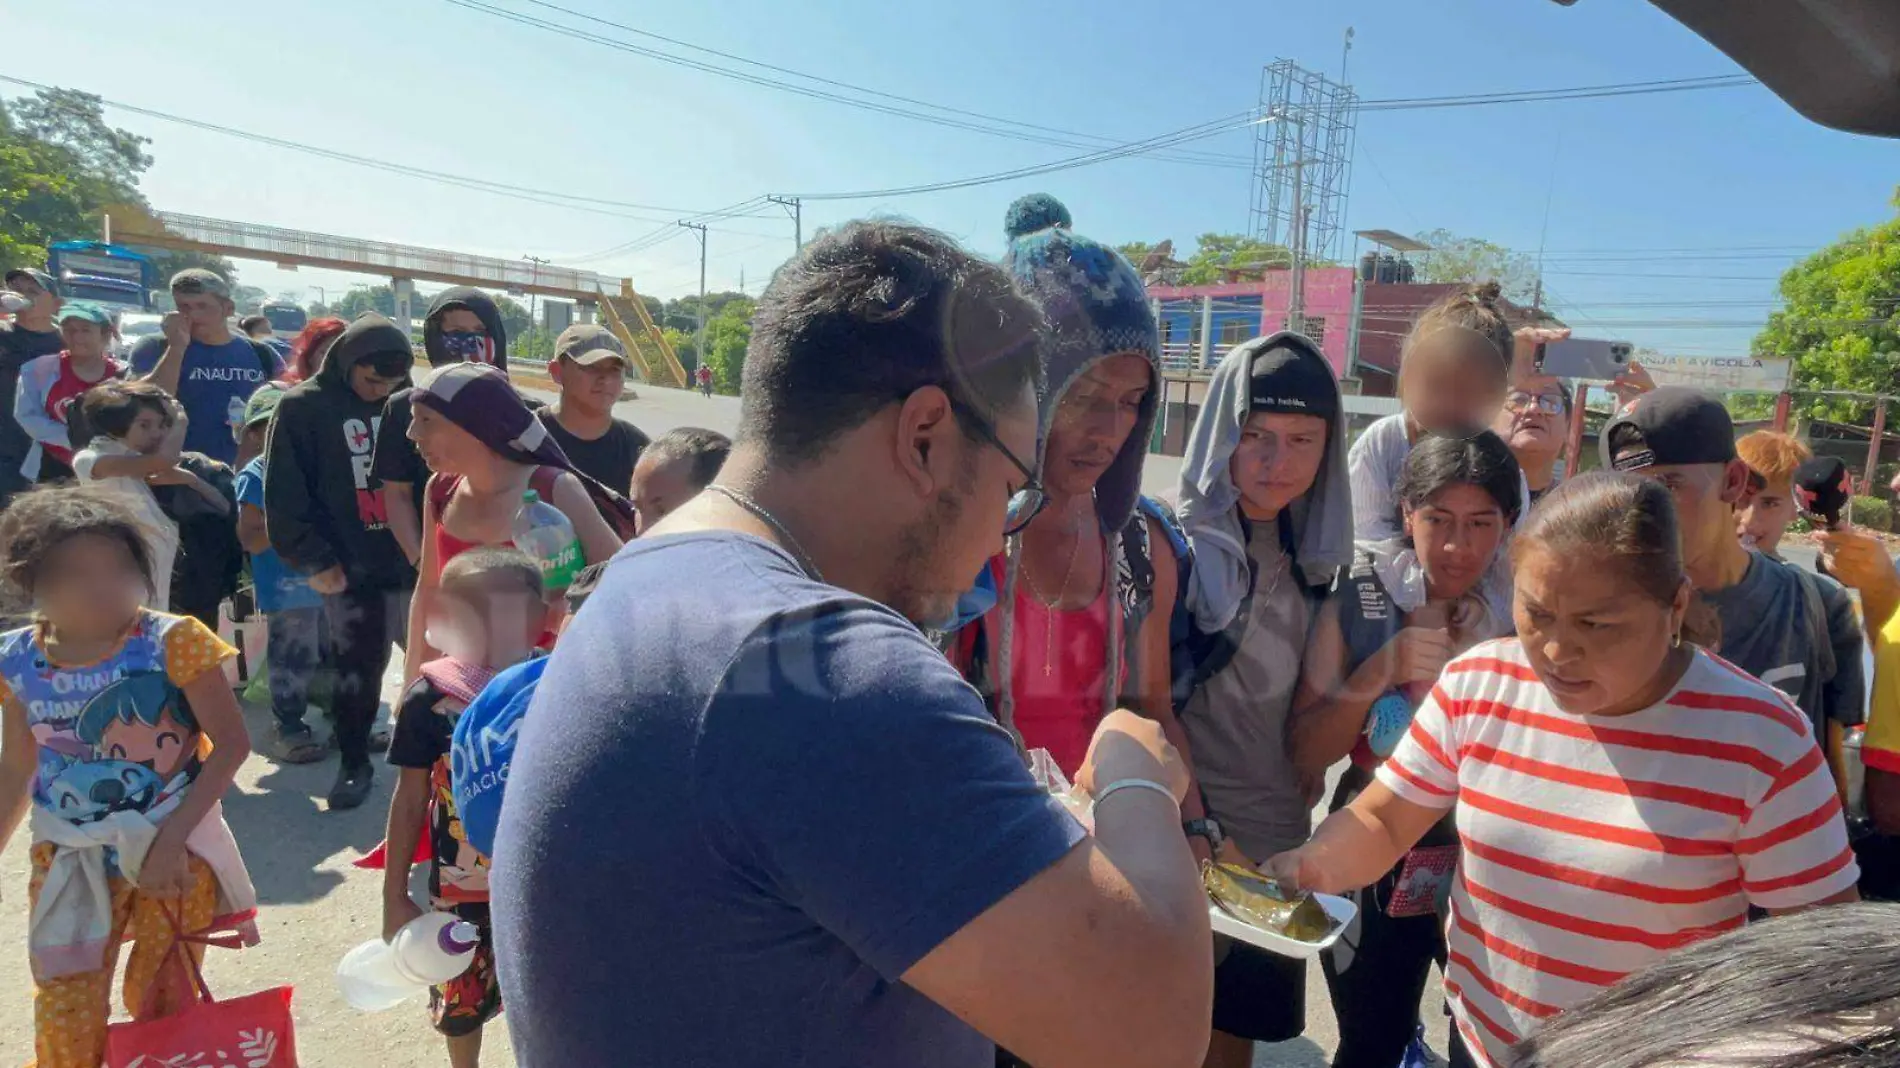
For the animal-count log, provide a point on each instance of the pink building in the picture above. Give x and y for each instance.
(1228, 313)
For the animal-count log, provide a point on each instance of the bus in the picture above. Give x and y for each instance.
(286, 319)
(107, 274)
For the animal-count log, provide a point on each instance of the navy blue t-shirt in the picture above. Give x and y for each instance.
(212, 386)
(741, 806)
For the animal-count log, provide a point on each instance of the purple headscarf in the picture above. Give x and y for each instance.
(479, 399)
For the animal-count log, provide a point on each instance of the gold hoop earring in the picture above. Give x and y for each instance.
(1675, 640)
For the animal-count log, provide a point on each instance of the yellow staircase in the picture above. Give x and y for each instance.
(626, 315)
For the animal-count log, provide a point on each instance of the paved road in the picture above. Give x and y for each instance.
(315, 906)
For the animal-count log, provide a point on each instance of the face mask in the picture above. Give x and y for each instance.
(468, 348)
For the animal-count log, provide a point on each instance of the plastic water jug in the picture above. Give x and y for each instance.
(541, 531)
(434, 948)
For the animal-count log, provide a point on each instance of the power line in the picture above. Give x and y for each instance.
(1189, 133)
(548, 197)
(784, 86)
(1582, 92)
(820, 79)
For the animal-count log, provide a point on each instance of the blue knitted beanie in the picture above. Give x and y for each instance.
(1096, 308)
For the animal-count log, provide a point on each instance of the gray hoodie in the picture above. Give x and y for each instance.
(1318, 525)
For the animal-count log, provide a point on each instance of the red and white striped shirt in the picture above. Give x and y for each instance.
(1592, 845)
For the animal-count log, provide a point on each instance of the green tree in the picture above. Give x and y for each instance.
(683, 347)
(62, 168)
(1840, 320)
(1455, 260)
(514, 317)
(360, 299)
(1217, 254)
(1135, 251)
(75, 121)
(727, 335)
(250, 298)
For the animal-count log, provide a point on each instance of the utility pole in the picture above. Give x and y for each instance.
(792, 205)
(699, 332)
(534, 278)
(1296, 278)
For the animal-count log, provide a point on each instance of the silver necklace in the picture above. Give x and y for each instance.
(758, 512)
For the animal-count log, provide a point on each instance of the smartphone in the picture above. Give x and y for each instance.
(1584, 358)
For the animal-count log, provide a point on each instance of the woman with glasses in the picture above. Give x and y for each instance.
(1086, 582)
(1267, 507)
(1533, 422)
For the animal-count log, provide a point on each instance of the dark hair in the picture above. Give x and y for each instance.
(478, 572)
(111, 407)
(705, 449)
(1478, 308)
(866, 315)
(1798, 979)
(252, 322)
(41, 520)
(1481, 459)
(1627, 521)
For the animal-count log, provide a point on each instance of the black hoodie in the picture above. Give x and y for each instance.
(322, 504)
(396, 457)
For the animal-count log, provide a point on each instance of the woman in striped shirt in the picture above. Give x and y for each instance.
(1620, 792)
(1406, 608)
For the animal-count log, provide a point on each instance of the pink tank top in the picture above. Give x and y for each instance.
(1058, 669)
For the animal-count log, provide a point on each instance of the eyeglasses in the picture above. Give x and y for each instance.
(1026, 503)
(1543, 402)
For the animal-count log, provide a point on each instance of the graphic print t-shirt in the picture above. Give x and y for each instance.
(212, 387)
(1766, 631)
(113, 735)
(425, 726)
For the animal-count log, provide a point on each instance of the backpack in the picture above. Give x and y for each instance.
(266, 358)
(210, 558)
(483, 747)
(1134, 594)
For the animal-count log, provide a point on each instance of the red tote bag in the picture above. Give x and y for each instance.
(253, 1031)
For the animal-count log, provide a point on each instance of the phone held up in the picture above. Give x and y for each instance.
(1584, 358)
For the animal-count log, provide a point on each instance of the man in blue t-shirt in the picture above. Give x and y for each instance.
(755, 819)
(197, 359)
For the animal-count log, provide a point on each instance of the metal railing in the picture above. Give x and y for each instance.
(381, 256)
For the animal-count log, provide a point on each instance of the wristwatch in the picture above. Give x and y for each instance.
(1206, 827)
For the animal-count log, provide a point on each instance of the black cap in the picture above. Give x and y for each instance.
(1289, 374)
(1669, 426)
(40, 278)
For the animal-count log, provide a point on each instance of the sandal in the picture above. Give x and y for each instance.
(298, 748)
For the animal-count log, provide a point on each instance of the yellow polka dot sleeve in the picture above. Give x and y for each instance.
(191, 649)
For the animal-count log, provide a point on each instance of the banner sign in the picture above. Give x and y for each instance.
(1719, 373)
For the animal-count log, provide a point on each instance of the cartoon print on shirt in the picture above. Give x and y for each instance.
(89, 792)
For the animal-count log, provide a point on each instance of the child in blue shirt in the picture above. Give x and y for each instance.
(295, 611)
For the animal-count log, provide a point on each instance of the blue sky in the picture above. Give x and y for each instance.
(1732, 175)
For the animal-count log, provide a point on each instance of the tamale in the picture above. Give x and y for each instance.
(1253, 898)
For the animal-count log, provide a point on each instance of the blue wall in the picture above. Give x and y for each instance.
(1180, 322)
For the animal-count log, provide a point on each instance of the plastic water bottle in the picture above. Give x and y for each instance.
(433, 948)
(542, 532)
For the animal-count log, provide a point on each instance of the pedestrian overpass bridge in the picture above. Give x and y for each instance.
(619, 306)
